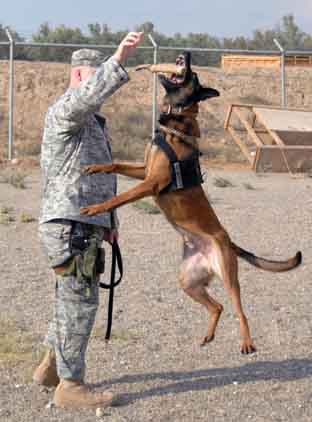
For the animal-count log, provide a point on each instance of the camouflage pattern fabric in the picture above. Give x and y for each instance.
(87, 57)
(75, 135)
(77, 298)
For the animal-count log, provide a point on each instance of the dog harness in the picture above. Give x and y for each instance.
(184, 173)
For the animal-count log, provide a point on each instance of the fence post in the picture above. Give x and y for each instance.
(154, 114)
(11, 97)
(283, 76)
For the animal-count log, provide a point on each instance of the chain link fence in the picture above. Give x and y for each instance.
(28, 87)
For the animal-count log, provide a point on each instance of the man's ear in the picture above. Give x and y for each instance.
(206, 93)
(77, 74)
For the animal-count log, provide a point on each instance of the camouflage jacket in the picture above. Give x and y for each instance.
(75, 136)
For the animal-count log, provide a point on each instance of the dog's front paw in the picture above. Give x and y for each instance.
(93, 209)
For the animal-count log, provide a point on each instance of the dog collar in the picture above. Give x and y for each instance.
(181, 111)
(189, 140)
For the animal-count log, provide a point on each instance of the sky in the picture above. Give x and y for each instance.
(221, 18)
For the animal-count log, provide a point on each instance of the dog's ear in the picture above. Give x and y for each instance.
(206, 93)
(187, 58)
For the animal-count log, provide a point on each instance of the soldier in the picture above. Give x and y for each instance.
(75, 135)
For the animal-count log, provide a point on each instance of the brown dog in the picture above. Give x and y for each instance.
(171, 174)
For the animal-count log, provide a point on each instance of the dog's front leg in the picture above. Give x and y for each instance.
(126, 168)
(146, 188)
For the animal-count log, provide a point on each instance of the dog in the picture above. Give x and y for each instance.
(171, 174)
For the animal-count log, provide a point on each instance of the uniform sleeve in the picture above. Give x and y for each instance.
(72, 111)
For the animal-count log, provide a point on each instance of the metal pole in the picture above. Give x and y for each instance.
(11, 97)
(154, 114)
(283, 75)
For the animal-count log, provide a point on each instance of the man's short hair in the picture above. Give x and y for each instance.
(87, 57)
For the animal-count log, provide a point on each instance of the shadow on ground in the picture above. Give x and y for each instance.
(206, 379)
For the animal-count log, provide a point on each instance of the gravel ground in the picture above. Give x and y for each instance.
(154, 359)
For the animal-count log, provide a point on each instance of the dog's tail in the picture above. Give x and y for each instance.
(266, 264)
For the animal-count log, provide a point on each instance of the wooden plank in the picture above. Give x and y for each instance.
(298, 159)
(248, 127)
(253, 61)
(296, 138)
(228, 117)
(270, 107)
(242, 146)
(272, 133)
(285, 120)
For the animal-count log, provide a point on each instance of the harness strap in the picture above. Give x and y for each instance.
(191, 141)
(184, 173)
(160, 141)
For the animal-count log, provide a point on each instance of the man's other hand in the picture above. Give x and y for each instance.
(128, 45)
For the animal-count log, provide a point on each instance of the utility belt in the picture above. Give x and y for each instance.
(87, 261)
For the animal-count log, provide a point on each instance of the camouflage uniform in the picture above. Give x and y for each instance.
(75, 136)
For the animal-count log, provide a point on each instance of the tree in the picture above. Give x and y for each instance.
(287, 32)
(4, 51)
(291, 36)
(60, 34)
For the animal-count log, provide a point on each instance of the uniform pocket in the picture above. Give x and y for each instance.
(55, 237)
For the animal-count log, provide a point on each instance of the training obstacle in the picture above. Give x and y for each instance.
(272, 139)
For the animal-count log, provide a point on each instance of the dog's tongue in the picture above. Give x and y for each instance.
(174, 77)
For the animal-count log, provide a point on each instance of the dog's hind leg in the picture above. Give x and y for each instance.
(194, 279)
(214, 308)
(227, 270)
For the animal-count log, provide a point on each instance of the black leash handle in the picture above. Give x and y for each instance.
(116, 259)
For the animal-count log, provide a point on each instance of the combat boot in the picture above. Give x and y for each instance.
(45, 374)
(75, 394)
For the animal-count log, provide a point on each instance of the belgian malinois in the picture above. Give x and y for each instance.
(171, 174)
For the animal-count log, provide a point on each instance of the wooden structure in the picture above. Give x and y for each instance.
(234, 61)
(272, 139)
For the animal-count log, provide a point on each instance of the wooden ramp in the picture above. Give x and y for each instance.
(271, 138)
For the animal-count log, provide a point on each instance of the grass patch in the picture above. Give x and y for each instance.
(248, 186)
(6, 216)
(26, 218)
(6, 210)
(16, 347)
(146, 206)
(221, 182)
(14, 178)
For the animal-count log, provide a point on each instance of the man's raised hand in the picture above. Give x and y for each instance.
(128, 46)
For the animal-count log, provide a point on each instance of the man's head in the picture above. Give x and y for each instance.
(84, 63)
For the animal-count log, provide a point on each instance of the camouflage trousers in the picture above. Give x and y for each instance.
(76, 296)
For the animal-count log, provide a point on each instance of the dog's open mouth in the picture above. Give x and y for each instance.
(179, 76)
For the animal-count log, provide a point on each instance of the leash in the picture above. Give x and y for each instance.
(116, 259)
